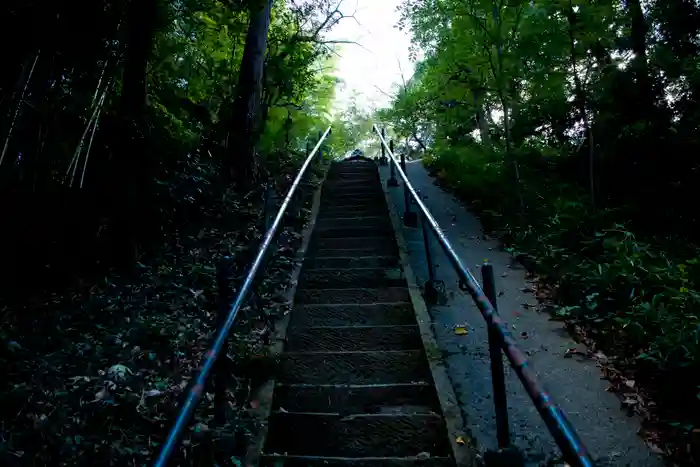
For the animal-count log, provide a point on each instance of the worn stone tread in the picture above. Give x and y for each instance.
(379, 222)
(349, 262)
(383, 367)
(351, 278)
(376, 250)
(402, 398)
(342, 314)
(316, 461)
(349, 231)
(348, 295)
(357, 436)
(352, 338)
(353, 386)
(371, 241)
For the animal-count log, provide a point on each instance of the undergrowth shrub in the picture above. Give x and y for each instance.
(637, 301)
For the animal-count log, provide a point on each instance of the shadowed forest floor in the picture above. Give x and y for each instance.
(94, 374)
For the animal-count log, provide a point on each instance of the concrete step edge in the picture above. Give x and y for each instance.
(356, 386)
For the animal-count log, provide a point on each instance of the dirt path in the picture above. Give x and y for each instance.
(575, 383)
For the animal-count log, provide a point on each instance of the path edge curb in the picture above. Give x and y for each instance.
(465, 452)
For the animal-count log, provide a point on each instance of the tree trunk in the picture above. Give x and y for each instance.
(242, 164)
(481, 120)
(638, 36)
(133, 159)
(510, 160)
(581, 104)
(418, 140)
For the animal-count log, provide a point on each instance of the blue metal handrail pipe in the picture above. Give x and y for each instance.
(195, 393)
(572, 448)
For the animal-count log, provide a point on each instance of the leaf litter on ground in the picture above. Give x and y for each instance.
(95, 376)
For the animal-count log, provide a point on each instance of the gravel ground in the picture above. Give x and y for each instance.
(575, 384)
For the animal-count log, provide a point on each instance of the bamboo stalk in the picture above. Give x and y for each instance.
(19, 106)
(87, 153)
(73, 166)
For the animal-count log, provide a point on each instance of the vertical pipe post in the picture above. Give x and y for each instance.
(224, 278)
(433, 289)
(392, 182)
(382, 159)
(410, 218)
(428, 252)
(497, 373)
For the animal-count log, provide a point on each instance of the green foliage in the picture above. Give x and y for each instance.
(567, 125)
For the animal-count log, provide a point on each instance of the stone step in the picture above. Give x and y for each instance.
(372, 184)
(344, 197)
(347, 168)
(382, 222)
(353, 338)
(361, 243)
(407, 399)
(351, 278)
(350, 296)
(345, 201)
(317, 461)
(347, 232)
(388, 314)
(375, 250)
(354, 175)
(366, 187)
(358, 436)
(382, 367)
(349, 262)
(375, 209)
(358, 183)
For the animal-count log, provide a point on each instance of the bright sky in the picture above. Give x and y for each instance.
(374, 63)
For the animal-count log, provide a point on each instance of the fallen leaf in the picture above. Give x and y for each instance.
(197, 293)
(461, 331)
(460, 440)
(570, 352)
(201, 428)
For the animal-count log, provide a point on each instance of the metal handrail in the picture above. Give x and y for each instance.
(195, 392)
(572, 448)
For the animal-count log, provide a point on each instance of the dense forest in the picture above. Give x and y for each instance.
(141, 141)
(573, 128)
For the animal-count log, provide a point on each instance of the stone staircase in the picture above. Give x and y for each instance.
(354, 385)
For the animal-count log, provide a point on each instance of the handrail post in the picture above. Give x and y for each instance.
(410, 218)
(224, 278)
(382, 159)
(500, 402)
(392, 182)
(433, 290)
